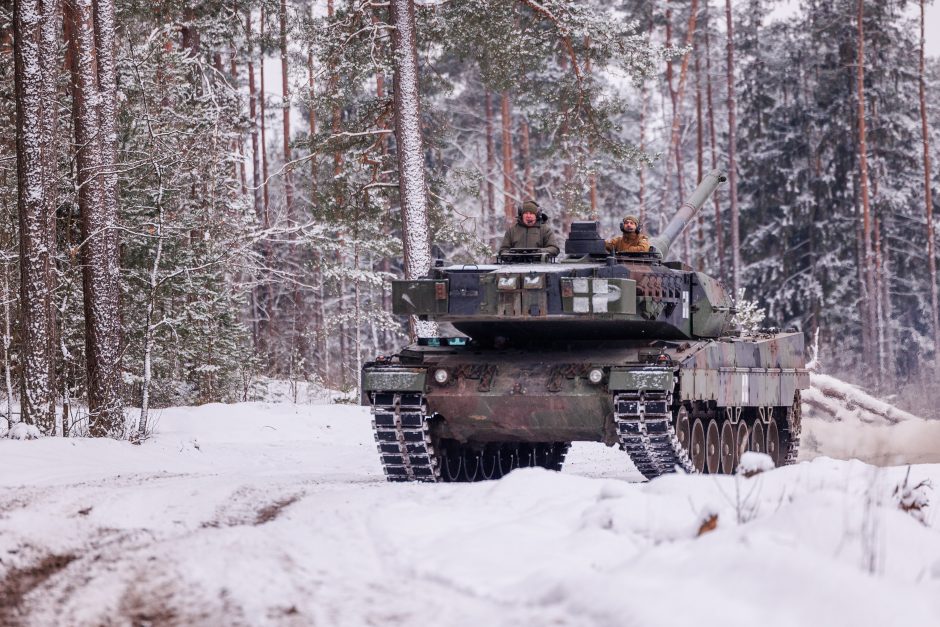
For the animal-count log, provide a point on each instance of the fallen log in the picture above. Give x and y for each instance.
(837, 400)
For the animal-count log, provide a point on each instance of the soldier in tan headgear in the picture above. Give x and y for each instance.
(632, 241)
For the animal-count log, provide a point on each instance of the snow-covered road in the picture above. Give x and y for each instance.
(277, 514)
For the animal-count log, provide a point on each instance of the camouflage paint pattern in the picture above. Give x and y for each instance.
(546, 395)
(540, 329)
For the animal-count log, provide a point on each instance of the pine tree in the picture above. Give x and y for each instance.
(35, 36)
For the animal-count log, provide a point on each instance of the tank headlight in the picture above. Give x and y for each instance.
(596, 375)
(441, 376)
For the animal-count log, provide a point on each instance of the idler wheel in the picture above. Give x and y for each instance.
(743, 440)
(489, 462)
(683, 427)
(697, 445)
(728, 446)
(712, 447)
(773, 442)
(758, 443)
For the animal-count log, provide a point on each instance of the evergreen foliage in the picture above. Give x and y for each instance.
(222, 281)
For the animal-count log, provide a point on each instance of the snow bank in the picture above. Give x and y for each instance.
(23, 431)
(754, 463)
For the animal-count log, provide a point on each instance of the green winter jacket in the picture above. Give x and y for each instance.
(538, 236)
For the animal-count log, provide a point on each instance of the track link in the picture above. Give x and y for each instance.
(403, 437)
(646, 432)
(409, 452)
(794, 428)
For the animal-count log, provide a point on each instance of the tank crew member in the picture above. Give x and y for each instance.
(530, 231)
(632, 241)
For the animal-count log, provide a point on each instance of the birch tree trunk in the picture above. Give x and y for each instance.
(35, 160)
(870, 293)
(93, 103)
(6, 42)
(732, 165)
(7, 341)
(150, 327)
(412, 184)
(928, 198)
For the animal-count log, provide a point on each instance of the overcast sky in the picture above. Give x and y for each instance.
(931, 28)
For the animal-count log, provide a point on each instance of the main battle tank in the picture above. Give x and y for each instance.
(629, 350)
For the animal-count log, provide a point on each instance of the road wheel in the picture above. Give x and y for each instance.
(712, 447)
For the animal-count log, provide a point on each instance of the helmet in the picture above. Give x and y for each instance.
(635, 219)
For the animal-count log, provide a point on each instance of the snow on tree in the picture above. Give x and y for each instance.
(251, 249)
(35, 37)
(416, 236)
(93, 84)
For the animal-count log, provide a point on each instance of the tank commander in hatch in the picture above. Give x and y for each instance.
(632, 241)
(530, 231)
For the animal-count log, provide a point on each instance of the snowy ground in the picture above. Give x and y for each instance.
(277, 514)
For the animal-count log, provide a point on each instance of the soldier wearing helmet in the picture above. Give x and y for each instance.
(632, 241)
(530, 231)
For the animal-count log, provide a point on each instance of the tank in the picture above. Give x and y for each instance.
(631, 350)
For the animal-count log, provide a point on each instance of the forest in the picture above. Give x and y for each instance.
(197, 195)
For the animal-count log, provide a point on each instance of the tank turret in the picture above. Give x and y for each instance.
(627, 349)
(589, 294)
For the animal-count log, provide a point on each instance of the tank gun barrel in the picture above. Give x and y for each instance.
(687, 210)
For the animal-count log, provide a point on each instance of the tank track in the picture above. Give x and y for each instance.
(408, 450)
(794, 428)
(644, 422)
(403, 437)
(645, 429)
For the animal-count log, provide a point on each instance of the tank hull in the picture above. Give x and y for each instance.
(495, 397)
